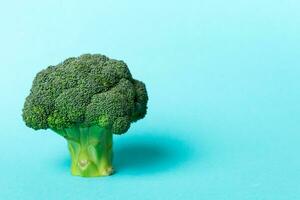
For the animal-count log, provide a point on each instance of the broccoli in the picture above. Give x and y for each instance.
(86, 100)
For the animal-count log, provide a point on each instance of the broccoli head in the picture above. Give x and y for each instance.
(86, 100)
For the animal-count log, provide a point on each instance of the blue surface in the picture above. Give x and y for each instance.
(223, 81)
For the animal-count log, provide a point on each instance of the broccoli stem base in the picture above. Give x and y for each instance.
(91, 150)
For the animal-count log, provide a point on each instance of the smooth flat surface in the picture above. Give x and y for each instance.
(223, 81)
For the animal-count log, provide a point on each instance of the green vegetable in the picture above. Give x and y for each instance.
(86, 100)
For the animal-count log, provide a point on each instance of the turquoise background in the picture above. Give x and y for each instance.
(223, 81)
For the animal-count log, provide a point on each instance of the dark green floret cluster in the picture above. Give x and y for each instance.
(85, 91)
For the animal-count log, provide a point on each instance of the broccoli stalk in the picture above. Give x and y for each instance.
(90, 149)
(86, 100)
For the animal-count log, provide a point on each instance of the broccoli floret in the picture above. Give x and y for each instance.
(86, 100)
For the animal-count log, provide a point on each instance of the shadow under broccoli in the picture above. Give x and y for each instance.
(86, 100)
